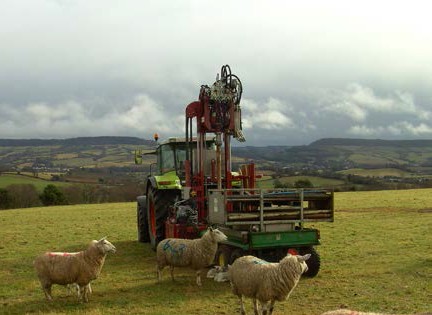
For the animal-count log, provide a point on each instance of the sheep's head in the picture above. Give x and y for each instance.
(217, 235)
(302, 261)
(296, 261)
(105, 246)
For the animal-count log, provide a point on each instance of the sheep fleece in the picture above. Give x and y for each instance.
(197, 253)
(256, 278)
(78, 268)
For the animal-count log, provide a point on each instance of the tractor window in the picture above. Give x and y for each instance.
(166, 162)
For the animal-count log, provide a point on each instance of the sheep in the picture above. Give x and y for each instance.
(349, 312)
(219, 273)
(263, 281)
(75, 289)
(72, 268)
(197, 254)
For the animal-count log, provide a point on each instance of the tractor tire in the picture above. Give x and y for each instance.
(223, 255)
(142, 224)
(313, 263)
(158, 202)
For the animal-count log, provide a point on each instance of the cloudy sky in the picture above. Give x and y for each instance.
(310, 69)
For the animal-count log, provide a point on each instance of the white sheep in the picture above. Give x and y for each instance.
(75, 289)
(197, 254)
(265, 282)
(72, 268)
(219, 273)
(349, 312)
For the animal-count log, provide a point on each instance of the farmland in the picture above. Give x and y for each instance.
(11, 179)
(377, 255)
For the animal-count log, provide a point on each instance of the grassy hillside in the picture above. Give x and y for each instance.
(10, 179)
(376, 256)
(75, 152)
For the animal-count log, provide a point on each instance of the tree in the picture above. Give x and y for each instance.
(303, 183)
(51, 195)
(4, 199)
(23, 196)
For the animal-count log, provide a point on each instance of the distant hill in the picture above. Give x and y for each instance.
(105, 140)
(339, 154)
(371, 142)
(325, 154)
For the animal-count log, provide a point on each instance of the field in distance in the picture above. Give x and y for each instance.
(376, 256)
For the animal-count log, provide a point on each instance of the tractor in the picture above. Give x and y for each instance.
(192, 186)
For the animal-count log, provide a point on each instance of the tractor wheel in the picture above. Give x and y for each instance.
(236, 253)
(223, 255)
(142, 224)
(313, 263)
(158, 202)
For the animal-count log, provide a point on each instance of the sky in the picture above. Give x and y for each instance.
(309, 69)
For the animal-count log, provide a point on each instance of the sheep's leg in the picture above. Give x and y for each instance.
(73, 288)
(84, 293)
(264, 308)
(88, 291)
(242, 308)
(172, 272)
(255, 305)
(198, 278)
(159, 273)
(46, 287)
(271, 308)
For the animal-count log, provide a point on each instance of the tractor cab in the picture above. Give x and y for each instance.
(172, 154)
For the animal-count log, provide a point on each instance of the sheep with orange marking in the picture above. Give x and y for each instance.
(78, 268)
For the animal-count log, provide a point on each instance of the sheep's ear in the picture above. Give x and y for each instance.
(210, 229)
(304, 257)
(102, 239)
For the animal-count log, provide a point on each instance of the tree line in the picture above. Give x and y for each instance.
(26, 195)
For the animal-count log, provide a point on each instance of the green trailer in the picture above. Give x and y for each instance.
(270, 223)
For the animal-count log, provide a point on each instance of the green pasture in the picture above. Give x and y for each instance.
(10, 179)
(377, 172)
(376, 256)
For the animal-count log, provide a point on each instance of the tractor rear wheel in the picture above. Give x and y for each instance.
(313, 263)
(158, 202)
(142, 224)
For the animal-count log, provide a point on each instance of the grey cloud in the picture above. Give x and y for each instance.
(333, 69)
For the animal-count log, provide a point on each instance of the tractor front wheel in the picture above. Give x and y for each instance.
(158, 202)
(142, 224)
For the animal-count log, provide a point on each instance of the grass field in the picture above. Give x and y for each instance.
(377, 172)
(40, 184)
(376, 256)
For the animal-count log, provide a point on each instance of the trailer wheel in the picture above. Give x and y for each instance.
(313, 263)
(223, 255)
(142, 224)
(158, 202)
